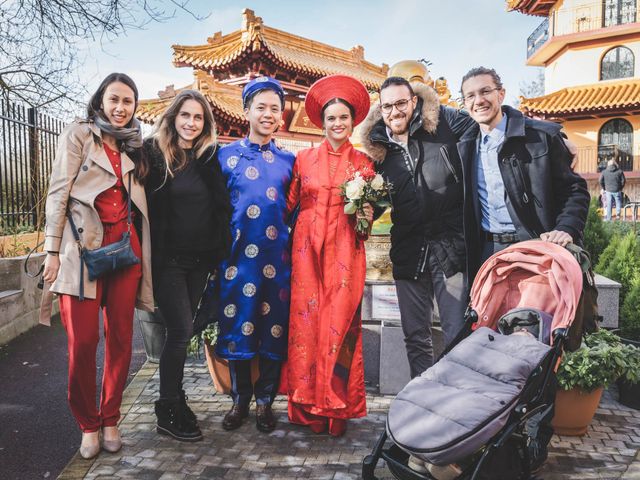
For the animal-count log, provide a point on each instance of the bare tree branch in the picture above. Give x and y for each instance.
(39, 53)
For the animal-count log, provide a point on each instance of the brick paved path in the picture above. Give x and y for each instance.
(611, 449)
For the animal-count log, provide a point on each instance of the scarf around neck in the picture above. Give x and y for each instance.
(129, 139)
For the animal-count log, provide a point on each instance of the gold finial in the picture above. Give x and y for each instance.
(216, 38)
(248, 18)
(358, 52)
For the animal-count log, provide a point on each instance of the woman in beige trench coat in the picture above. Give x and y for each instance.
(95, 160)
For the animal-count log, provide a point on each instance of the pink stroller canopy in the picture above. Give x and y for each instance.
(532, 274)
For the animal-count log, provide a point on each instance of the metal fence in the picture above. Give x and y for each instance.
(28, 141)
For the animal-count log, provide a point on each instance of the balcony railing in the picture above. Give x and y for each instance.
(538, 37)
(594, 159)
(592, 16)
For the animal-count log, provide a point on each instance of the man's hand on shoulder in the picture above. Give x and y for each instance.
(573, 150)
(556, 236)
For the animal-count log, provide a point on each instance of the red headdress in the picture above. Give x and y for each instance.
(337, 86)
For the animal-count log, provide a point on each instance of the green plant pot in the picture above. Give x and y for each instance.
(154, 333)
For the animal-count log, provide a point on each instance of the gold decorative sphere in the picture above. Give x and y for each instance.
(412, 70)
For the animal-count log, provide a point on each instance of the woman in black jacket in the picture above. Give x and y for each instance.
(189, 212)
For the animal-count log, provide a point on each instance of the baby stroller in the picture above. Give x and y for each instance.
(473, 410)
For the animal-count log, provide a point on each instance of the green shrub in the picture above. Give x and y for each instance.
(620, 261)
(600, 361)
(596, 236)
(630, 312)
(617, 228)
(209, 336)
(607, 255)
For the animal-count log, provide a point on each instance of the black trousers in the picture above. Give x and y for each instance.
(180, 285)
(265, 388)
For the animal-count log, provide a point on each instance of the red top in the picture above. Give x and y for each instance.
(112, 203)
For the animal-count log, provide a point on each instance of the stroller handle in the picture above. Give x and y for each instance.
(560, 335)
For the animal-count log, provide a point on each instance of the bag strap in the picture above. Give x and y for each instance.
(25, 265)
(584, 260)
(129, 204)
(76, 235)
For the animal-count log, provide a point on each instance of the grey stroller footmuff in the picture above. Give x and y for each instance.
(456, 406)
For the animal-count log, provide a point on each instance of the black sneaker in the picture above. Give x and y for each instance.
(173, 421)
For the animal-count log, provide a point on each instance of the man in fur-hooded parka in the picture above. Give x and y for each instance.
(412, 139)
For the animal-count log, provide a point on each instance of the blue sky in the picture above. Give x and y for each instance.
(454, 35)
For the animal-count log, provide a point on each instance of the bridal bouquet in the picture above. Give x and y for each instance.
(364, 186)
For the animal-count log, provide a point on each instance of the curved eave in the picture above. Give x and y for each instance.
(537, 8)
(211, 59)
(622, 96)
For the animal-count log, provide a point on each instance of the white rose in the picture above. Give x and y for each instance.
(354, 189)
(377, 182)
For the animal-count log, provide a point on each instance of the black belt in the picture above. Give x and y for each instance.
(501, 237)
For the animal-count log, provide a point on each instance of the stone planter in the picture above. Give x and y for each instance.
(154, 333)
(574, 411)
(19, 296)
(378, 262)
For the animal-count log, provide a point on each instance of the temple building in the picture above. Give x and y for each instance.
(226, 63)
(590, 51)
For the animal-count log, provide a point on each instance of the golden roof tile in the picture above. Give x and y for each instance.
(286, 50)
(590, 99)
(225, 100)
(538, 8)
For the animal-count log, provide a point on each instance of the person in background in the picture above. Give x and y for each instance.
(189, 212)
(96, 161)
(612, 181)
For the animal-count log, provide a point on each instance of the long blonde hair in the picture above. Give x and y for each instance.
(167, 137)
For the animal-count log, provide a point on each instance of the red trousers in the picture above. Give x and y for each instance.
(116, 296)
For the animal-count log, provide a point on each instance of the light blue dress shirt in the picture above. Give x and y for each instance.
(491, 192)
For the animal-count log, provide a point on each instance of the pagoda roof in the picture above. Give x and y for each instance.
(539, 8)
(585, 101)
(287, 51)
(225, 100)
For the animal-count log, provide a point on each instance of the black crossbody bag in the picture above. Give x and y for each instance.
(105, 259)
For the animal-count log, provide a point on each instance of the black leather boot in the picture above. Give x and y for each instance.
(188, 413)
(173, 421)
(265, 421)
(234, 417)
